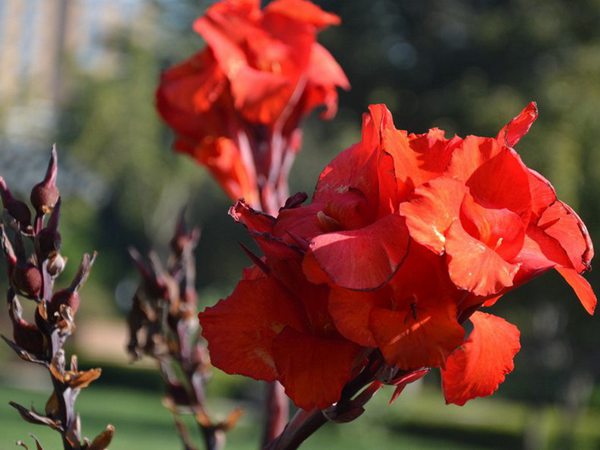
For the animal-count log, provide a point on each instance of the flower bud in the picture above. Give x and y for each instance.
(67, 297)
(45, 194)
(70, 295)
(182, 238)
(16, 208)
(26, 335)
(27, 280)
(48, 240)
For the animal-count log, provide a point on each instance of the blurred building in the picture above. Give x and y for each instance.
(40, 40)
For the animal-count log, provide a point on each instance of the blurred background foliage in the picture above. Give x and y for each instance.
(465, 66)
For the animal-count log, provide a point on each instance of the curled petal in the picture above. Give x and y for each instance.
(303, 11)
(254, 221)
(518, 127)
(563, 224)
(405, 380)
(582, 288)
(324, 75)
(478, 367)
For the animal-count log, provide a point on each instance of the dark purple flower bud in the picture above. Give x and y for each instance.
(155, 281)
(16, 208)
(182, 238)
(48, 239)
(27, 280)
(70, 295)
(44, 195)
(26, 335)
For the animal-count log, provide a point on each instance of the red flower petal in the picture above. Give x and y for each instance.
(314, 369)
(350, 311)
(240, 329)
(417, 158)
(364, 167)
(363, 259)
(563, 224)
(303, 11)
(191, 86)
(477, 368)
(474, 266)
(234, 17)
(542, 193)
(518, 127)
(500, 229)
(298, 225)
(420, 334)
(509, 188)
(405, 381)
(431, 210)
(313, 271)
(323, 76)
(581, 287)
(540, 252)
(470, 155)
(254, 221)
(261, 96)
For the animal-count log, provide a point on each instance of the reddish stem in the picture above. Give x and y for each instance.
(350, 406)
(277, 412)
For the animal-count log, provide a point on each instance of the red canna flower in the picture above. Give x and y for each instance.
(407, 235)
(236, 106)
(276, 326)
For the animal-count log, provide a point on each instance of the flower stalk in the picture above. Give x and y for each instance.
(163, 326)
(34, 262)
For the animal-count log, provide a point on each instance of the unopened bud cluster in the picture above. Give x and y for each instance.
(31, 246)
(163, 326)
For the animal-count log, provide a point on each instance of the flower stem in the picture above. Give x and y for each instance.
(277, 412)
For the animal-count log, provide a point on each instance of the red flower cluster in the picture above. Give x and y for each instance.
(236, 105)
(406, 237)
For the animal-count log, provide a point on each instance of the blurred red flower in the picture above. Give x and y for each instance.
(236, 105)
(407, 235)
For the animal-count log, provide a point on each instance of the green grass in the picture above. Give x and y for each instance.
(417, 421)
(142, 423)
